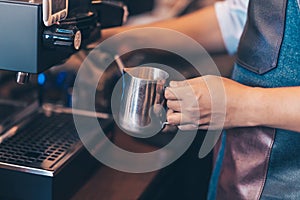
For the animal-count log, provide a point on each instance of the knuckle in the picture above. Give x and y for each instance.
(170, 119)
(169, 104)
(167, 94)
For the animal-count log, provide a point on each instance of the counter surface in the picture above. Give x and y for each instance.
(110, 184)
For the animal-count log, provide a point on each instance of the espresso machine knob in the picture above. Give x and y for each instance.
(66, 37)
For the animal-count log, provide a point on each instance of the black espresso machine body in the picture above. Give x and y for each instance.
(27, 45)
(21, 46)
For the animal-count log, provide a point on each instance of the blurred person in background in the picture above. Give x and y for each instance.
(257, 156)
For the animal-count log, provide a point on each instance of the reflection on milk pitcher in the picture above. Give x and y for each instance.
(142, 103)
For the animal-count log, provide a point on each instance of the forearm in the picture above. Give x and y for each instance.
(275, 107)
(201, 25)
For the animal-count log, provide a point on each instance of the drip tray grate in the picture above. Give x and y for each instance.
(41, 142)
(45, 159)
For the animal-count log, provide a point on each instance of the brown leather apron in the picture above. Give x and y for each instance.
(247, 150)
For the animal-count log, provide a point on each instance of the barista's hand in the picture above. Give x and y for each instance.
(191, 102)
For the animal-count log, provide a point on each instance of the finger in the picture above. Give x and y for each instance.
(177, 93)
(170, 111)
(170, 94)
(178, 118)
(188, 127)
(178, 83)
(174, 118)
(174, 105)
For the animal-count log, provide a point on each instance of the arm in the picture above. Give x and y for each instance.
(201, 25)
(217, 27)
(243, 106)
(279, 107)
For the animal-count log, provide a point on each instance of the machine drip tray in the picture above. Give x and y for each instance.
(45, 159)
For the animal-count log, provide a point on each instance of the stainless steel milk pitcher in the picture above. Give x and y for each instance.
(142, 102)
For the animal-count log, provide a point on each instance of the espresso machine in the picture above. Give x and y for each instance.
(41, 155)
(28, 46)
